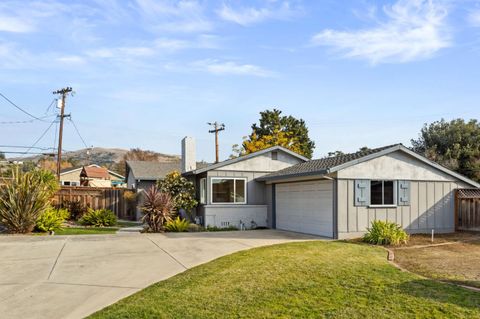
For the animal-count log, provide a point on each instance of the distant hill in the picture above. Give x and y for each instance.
(98, 155)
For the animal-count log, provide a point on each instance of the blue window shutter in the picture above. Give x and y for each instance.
(403, 193)
(362, 192)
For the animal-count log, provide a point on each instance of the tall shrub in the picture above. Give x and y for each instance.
(24, 198)
(385, 233)
(158, 208)
(181, 191)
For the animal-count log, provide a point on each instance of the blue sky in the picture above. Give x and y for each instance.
(148, 72)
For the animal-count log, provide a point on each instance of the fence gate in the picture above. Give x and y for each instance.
(467, 209)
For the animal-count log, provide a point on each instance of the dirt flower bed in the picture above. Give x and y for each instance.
(451, 257)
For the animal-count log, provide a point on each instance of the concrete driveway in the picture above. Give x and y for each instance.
(74, 276)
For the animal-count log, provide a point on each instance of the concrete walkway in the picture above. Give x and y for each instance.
(74, 276)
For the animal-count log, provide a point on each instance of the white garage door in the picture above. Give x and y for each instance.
(305, 207)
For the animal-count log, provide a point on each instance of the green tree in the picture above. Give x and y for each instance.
(2, 156)
(181, 191)
(335, 153)
(454, 144)
(276, 129)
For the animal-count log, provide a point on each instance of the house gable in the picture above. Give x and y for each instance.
(265, 162)
(395, 165)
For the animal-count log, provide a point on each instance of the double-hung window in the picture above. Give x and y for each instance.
(382, 192)
(228, 190)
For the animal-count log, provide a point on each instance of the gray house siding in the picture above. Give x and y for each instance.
(431, 207)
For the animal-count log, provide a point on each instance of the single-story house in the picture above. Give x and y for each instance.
(71, 177)
(336, 197)
(95, 177)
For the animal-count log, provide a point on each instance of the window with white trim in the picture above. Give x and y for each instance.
(203, 191)
(229, 190)
(382, 192)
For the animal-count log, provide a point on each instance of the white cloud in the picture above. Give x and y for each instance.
(20, 17)
(474, 18)
(14, 24)
(71, 59)
(185, 16)
(230, 68)
(415, 29)
(246, 16)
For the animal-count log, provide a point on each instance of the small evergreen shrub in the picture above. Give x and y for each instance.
(76, 208)
(385, 233)
(98, 218)
(51, 220)
(216, 228)
(193, 228)
(177, 225)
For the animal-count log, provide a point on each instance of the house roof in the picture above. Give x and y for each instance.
(333, 164)
(243, 158)
(79, 168)
(95, 172)
(152, 171)
(147, 170)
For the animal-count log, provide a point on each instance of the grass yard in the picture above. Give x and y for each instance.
(298, 280)
(458, 262)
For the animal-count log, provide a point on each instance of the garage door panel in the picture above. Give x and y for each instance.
(305, 207)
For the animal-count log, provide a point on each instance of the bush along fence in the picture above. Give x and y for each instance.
(467, 209)
(114, 199)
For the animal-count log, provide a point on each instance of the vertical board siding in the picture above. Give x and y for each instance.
(342, 205)
(431, 207)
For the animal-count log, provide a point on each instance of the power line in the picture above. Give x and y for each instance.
(26, 121)
(35, 147)
(21, 109)
(78, 132)
(41, 136)
(25, 153)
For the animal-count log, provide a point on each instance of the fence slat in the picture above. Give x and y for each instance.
(468, 209)
(95, 198)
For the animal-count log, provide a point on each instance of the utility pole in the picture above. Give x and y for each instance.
(62, 115)
(217, 128)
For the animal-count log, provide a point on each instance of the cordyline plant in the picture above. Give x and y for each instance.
(24, 198)
(158, 208)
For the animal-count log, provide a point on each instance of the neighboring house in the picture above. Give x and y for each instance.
(336, 197)
(71, 177)
(95, 177)
(141, 175)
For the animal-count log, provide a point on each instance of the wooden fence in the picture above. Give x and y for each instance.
(98, 198)
(467, 209)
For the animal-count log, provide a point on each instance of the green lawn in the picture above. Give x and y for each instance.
(86, 231)
(298, 280)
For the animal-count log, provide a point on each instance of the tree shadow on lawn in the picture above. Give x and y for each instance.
(441, 292)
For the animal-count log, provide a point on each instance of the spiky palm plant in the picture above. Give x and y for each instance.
(24, 198)
(157, 209)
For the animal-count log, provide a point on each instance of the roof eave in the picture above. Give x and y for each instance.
(294, 175)
(243, 158)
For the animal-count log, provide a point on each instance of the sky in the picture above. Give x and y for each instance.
(146, 73)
